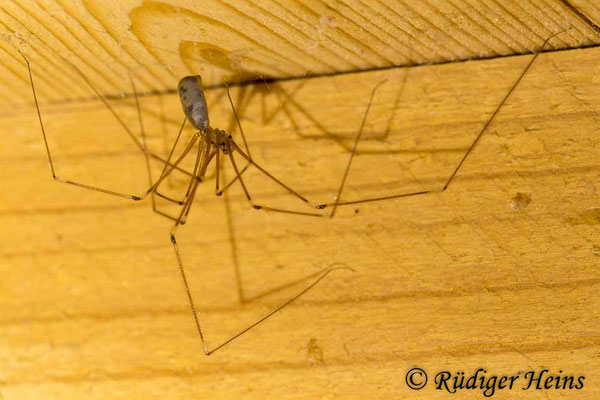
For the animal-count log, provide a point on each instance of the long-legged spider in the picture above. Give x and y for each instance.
(213, 143)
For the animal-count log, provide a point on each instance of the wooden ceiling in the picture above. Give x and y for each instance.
(160, 41)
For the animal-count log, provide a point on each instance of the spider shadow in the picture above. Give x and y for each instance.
(164, 132)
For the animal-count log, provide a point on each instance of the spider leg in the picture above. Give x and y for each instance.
(458, 166)
(147, 156)
(239, 124)
(166, 171)
(190, 298)
(231, 182)
(262, 207)
(248, 158)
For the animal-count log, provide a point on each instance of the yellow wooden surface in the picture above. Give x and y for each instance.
(498, 272)
(253, 39)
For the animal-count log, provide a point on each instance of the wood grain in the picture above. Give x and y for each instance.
(498, 272)
(92, 305)
(160, 41)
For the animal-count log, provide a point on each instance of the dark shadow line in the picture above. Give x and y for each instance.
(233, 243)
(263, 80)
(579, 14)
(288, 285)
(415, 294)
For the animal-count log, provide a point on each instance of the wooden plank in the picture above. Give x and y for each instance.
(498, 272)
(240, 40)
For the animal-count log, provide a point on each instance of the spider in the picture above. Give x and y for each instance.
(212, 144)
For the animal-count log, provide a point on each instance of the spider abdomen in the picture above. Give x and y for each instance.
(193, 102)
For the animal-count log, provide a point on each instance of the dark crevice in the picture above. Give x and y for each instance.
(581, 15)
(266, 81)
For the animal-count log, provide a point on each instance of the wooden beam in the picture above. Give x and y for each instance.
(498, 272)
(159, 42)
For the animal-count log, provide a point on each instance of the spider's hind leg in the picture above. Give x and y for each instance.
(235, 147)
(455, 171)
